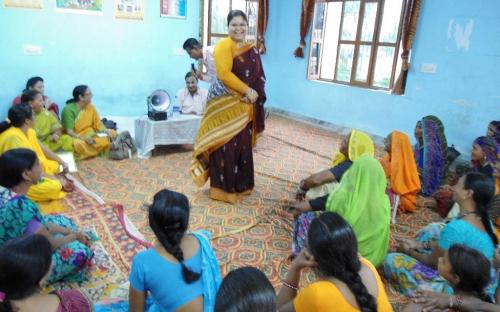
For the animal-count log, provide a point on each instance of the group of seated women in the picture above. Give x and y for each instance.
(361, 190)
(32, 122)
(341, 228)
(75, 130)
(35, 254)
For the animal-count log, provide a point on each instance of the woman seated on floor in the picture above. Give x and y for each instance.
(36, 83)
(484, 160)
(20, 216)
(468, 272)
(494, 132)
(181, 272)
(347, 282)
(484, 155)
(246, 289)
(25, 264)
(430, 153)
(401, 170)
(414, 267)
(320, 184)
(82, 121)
(17, 132)
(47, 126)
(361, 199)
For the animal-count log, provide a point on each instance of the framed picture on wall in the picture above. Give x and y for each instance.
(129, 9)
(30, 4)
(92, 7)
(173, 8)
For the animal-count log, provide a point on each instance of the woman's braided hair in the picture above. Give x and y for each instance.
(335, 249)
(169, 219)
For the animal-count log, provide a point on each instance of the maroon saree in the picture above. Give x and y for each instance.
(231, 165)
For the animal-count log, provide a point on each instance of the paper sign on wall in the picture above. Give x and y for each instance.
(173, 8)
(31, 4)
(92, 7)
(133, 9)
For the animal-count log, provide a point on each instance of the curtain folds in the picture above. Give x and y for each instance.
(409, 27)
(305, 22)
(263, 17)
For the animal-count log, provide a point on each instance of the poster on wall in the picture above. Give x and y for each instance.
(173, 8)
(93, 7)
(31, 4)
(132, 9)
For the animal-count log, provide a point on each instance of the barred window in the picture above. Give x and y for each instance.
(356, 42)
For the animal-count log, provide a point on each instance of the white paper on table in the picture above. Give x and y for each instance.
(70, 160)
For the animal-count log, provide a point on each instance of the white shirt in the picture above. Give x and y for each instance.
(192, 104)
(208, 61)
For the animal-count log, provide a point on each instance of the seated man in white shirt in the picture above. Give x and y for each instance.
(192, 99)
(206, 54)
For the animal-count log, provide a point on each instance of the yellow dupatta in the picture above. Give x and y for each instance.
(15, 138)
(88, 121)
(47, 189)
(360, 143)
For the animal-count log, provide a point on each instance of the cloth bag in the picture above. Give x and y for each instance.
(122, 147)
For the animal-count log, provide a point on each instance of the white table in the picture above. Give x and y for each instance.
(178, 129)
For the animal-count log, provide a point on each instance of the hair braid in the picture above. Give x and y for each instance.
(171, 241)
(169, 218)
(483, 189)
(365, 301)
(483, 212)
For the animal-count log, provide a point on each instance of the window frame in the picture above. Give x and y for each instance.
(207, 18)
(357, 42)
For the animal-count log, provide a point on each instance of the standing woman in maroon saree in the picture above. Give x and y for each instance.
(234, 117)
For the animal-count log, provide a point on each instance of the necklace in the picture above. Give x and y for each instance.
(466, 214)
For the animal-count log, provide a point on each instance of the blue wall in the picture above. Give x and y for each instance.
(122, 61)
(464, 92)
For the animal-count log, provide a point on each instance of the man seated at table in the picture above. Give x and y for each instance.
(192, 99)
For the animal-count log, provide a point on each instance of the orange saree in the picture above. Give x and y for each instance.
(400, 168)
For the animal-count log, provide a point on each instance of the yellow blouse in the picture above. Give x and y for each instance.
(324, 296)
(225, 52)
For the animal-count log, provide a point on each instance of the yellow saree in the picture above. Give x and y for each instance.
(47, 189)
(86, 123)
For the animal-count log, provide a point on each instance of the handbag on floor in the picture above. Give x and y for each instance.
(122, 147)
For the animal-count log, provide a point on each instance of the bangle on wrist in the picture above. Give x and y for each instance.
(290, 286)
(458, 302)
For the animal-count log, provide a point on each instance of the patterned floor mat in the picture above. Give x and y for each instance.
(255, 231)
(113, 251)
